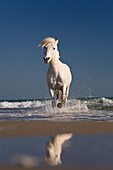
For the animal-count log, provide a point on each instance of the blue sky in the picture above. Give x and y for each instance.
(85, 32)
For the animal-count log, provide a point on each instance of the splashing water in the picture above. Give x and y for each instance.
(96, 109)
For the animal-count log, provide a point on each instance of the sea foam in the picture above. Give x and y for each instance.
(96, 109)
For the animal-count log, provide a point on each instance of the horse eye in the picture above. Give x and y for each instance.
(53, 48)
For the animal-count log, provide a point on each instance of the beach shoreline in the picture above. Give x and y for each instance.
(34, 128)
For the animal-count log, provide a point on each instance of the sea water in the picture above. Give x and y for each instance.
(83, 109)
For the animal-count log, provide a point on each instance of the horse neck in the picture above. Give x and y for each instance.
(54, 62)
(53, 66)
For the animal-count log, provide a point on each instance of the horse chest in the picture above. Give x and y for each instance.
(53, 80)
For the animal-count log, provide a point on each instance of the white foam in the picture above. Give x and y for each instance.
(72, 106)
(75, 109)
(107, 101)
(25, 104)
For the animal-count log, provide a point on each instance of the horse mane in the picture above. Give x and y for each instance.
(46, 41)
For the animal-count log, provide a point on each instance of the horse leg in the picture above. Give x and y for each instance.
(67, 92)
(59, 93)
(53, 97)
(63, 97)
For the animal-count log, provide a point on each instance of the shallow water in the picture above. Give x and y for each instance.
(96, 109)
(78, 151)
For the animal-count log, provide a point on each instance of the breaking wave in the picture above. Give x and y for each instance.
(101, 104)
(22, 104)
(97, 109)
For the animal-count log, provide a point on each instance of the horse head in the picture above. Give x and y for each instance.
(50, 49)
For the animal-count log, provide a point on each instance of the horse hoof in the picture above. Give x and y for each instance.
(59, 105)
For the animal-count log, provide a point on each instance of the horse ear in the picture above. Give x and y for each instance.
(57, 41)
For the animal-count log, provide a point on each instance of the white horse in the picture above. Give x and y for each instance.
(59, 75)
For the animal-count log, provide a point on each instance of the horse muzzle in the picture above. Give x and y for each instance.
(46, 60)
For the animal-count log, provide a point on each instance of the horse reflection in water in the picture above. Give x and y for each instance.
(53, 153)
(54, 148)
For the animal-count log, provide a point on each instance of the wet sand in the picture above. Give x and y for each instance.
(5, 167)
(34, 128)
(13, 129)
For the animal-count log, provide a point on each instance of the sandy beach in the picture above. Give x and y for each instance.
(34, 128)
(18, 129)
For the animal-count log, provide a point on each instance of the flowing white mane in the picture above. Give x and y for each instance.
(46, 41)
